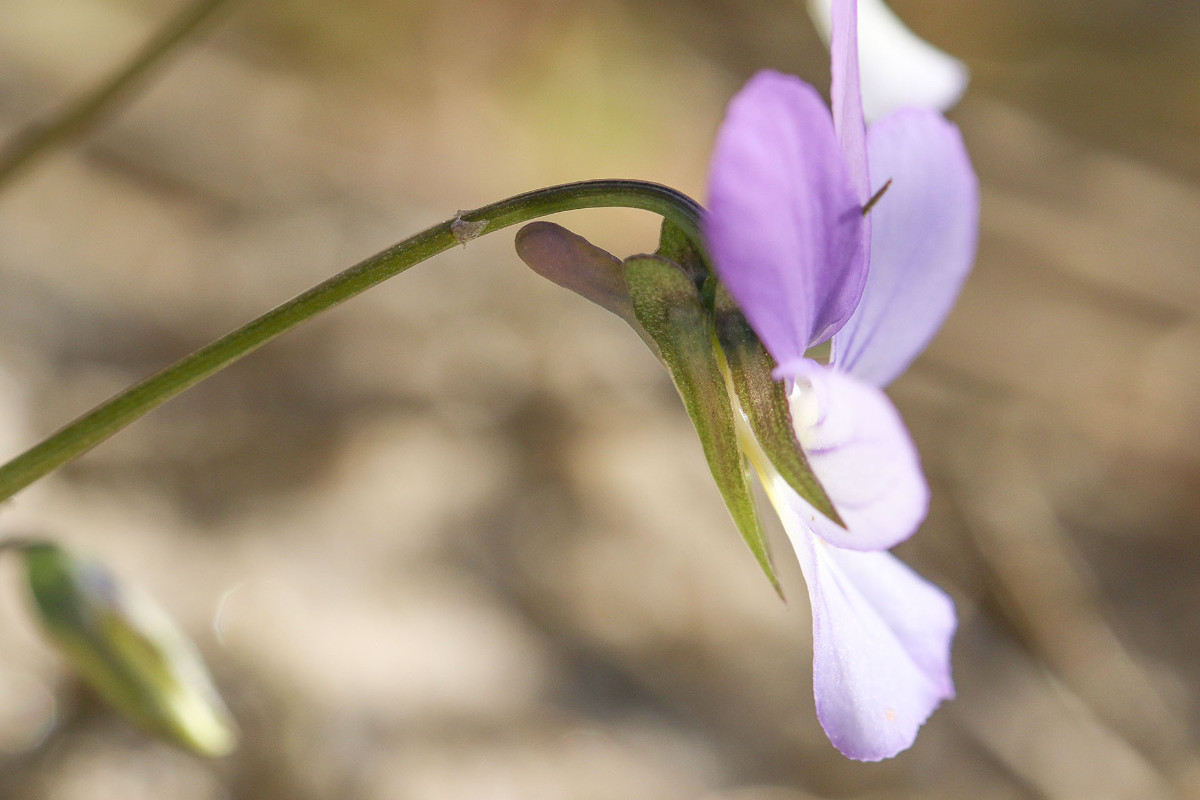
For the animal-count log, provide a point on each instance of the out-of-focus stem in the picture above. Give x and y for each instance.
(86, 110)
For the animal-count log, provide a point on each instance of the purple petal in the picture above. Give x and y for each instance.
(845, 94)
(923, 236)
(861, 453)
(881, 647)
(783, 223)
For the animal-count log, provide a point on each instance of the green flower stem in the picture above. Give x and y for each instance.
(85, 111)
(106, 419)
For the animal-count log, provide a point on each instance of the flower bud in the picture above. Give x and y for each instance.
(127, 649)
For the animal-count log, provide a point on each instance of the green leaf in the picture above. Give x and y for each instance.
(127, 648)
(765, 404)
(669, 308)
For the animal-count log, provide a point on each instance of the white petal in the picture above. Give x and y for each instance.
(898, 68)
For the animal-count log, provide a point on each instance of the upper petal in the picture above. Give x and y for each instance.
(923, 236)
(899, 69)
(861, 453)
(783, 225)
(881, 647)
(845, 93)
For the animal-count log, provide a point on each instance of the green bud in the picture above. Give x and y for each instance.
(669, 308)
(764, 403)
(127, 649)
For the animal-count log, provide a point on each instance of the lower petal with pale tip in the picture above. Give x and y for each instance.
(881, 647)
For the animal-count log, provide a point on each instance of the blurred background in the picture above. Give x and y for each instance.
(456, 539)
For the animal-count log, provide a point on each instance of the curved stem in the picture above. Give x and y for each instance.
(106, 419)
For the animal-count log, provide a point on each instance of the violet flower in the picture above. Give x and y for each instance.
(790, 241)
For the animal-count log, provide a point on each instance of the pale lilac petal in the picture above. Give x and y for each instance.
(783, 223)
(923, 236)
(845, 94)
(881, 647)
(898, 68)
(861, 453)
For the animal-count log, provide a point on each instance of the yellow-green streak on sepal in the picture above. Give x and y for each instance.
(127, 649)
(765, 404)
(669, 308)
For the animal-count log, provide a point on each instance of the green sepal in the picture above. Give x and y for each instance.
(675, 245)
(765, 404)
(668, 306)
(127, 649)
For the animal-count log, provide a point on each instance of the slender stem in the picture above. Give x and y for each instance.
(81, 114)
(17, 543)
(106, 419)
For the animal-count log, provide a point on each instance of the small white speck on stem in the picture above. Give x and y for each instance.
(465, 231)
